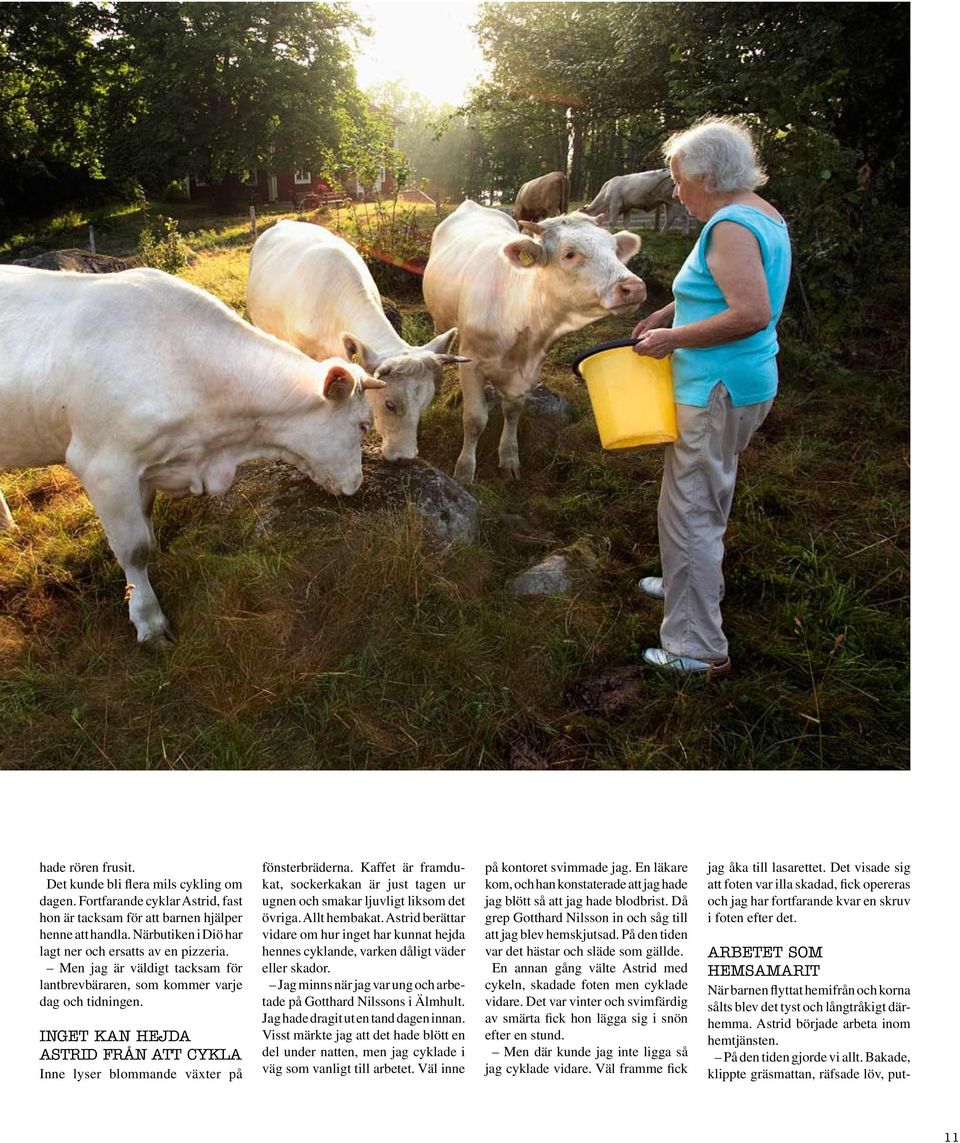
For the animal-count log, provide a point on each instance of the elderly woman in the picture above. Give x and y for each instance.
(722, 332)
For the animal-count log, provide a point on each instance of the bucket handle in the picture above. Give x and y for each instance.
(621, 344)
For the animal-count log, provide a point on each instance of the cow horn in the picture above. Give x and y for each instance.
(533, 227)
(373, 383)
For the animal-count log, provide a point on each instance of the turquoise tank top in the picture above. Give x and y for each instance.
(748, 367)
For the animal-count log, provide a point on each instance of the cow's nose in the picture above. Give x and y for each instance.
(631, 291)
(399, 447)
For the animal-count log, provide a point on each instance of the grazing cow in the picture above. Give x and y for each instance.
(645, 190)
(512, 296)
(140, 383)
(542, 197)
(313, 289)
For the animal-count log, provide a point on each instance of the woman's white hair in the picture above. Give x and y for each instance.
(719, 150)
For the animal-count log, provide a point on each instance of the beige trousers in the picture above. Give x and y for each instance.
(699, 475)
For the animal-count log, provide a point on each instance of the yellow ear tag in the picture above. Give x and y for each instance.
(526, 258)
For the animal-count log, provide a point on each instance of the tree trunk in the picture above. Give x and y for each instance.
(576, 158)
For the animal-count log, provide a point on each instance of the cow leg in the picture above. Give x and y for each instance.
(509, 449)
(147, 497)
(120, 502)
(6, 520)
(474, 419)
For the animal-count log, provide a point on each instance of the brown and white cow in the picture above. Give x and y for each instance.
(540, 198)
(512, 296)
(644, 190)
(140, 382)
(310, 287)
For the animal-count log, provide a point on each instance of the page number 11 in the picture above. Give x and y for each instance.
(952, 1137)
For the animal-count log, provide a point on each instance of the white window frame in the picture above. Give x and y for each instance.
(302, 178)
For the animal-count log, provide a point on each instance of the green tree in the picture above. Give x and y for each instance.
(222, 89)
(826, 87)
(50, 96)
(556, 93)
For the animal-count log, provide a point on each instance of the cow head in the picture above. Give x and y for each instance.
(581, 265)
(324, 437)
(409, 383)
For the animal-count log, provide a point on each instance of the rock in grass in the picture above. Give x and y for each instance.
(391, 311)
(446, 506)
(77, 260)
(541, 402)
(561, 573)
(544, 402)
(286, 500)
(549, 577)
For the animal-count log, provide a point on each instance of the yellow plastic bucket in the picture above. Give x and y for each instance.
(632, 396)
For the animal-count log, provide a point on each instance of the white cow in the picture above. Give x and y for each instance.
(139, 382)
(512, 296)
(314, 290)
(645, 190)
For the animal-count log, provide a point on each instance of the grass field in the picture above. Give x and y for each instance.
(365, 645)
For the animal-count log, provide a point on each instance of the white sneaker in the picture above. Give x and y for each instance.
(684, 665)
(652, 585)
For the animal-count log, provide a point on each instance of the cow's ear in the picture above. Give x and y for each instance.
(339, 383)
(524, 253)
(628, 244)
(354, 350)
(442, 342)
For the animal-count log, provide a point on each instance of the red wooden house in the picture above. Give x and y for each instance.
(293, 186)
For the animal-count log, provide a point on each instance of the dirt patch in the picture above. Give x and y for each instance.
(614, 693)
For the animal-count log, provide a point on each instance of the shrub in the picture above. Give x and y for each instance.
(161, 245)
(848, 234)
(68, 219)
(394, 243)
(130, 191)
(176, 191)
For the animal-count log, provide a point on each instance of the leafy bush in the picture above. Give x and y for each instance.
(176, 191)
(641, 264)
(394, 240)
(846, 236)
(66, 220)
(161, 245)
(130, 191)
(815, 187)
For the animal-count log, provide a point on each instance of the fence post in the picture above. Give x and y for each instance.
(253, 221)
(93, 244)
